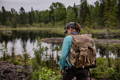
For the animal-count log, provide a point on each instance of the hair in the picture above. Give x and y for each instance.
(77, 27)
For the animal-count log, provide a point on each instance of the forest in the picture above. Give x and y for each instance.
(103, 14)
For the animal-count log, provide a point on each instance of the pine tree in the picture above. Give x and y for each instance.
(31, 16)
(57, 12)
(110, 13)
(118, 12)
(71, 16)
(13, 19)
(101, 13)
(23, 16)
(0, 17)
(84, 12)
(76, 12)
(3, 16)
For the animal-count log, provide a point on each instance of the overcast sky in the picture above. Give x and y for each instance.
(36, 4)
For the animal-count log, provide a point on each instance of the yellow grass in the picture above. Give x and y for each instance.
(53, 30)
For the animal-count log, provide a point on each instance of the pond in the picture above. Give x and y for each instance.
(19, 47)
(20, 42)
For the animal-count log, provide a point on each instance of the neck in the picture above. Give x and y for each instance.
(74, 33)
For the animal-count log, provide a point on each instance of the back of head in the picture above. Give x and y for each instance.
(73, 25)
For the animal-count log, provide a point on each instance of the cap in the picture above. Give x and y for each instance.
(70, 25)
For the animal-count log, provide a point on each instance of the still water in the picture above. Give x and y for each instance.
(21, 42)
(30, 47)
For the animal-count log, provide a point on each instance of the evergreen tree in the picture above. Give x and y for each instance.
(13, 17)
(101, 13)
(71, 16)
(76, 12)
(44, 16)
(22, 17)
(84, 12)
(104, 13)
(31, 16)
(118, 12)
(96, 15)
(3, 16)
(110, 13)
(0, 17)
(57, 12)
(52, 18)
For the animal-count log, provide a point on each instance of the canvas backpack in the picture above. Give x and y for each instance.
(83, 52)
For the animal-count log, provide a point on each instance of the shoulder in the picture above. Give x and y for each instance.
(69, 37)
(67, 41)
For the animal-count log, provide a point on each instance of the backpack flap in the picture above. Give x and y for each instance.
(82, 53)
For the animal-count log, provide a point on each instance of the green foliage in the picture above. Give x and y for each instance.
(26, 58)
(22, 17)
(71, 16)
(118, 12)
(105, 48)
(103, 71)
(103, 14)
(110, 13)
(84, 13)
(41, 68)
(44, 16)
(37, 61)
(31, 16)
(101, 10)
(45, 73)
(57, 12)
(3, 16)
(48, 74)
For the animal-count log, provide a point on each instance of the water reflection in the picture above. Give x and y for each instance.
(19, 47)
(29, 47)
(20, 42)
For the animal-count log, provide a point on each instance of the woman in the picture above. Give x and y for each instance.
(68, 71)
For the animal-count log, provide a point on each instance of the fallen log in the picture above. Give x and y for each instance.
(97, 41)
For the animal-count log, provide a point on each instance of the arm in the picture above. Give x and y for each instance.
(67, 43)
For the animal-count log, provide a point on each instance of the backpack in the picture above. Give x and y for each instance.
(83, 52)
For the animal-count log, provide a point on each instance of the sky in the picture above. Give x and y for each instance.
(36, 4)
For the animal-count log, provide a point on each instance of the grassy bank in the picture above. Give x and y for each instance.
(60, 29)
(50, 30)
(97, 33)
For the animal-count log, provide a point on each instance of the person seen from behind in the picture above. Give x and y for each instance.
(73, 62)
